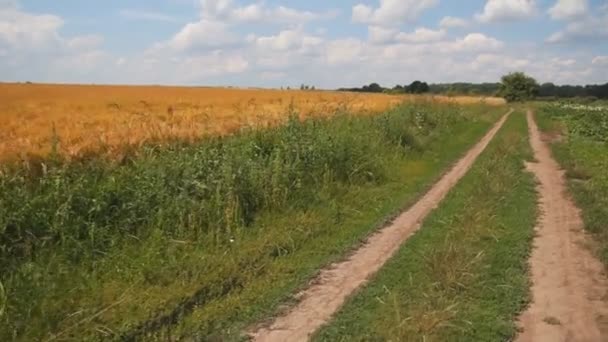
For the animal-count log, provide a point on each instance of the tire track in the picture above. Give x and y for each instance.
(333, 285)
(569, 283)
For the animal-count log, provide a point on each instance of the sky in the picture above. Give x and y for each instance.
(328, 44)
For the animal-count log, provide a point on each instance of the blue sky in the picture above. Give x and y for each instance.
(273, 43)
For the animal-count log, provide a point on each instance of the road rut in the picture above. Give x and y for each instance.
(333, 285)
(569, 284)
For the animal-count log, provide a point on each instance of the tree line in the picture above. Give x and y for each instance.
(545, 90)
(416, 87)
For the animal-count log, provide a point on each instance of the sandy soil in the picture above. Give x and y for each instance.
(333, 285)
(569, 284)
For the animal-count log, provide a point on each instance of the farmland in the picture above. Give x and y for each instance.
(201, 236)
(77, 120)
(168, 213)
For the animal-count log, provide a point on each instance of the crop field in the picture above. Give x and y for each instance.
(183, 238)
(76, 120)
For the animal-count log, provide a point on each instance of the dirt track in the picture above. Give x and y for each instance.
(331, 288)
(569, 284)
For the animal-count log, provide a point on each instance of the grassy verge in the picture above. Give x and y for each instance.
(463, 276)
(579, 140)
(201, 240)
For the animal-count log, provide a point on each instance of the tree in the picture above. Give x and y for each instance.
(418, 87)
(372, 88)
(518, 86)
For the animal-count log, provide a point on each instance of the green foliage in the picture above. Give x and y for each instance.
(481, 89)
(517, 87)
(176, 216)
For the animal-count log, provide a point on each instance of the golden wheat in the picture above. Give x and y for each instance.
(79, 119)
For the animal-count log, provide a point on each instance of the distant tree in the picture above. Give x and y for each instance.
(518, 86)
(312, 88)
(547, 89)
(418, 87)
(373, 88)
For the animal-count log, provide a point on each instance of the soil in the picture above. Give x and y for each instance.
(569, 284)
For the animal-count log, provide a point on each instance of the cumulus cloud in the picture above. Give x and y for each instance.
(200, 35)
(600, 60)
(569, 9)
(507, 10)
(288, 40)
(32, 46)
(421, 35)
(564, 62)
(391, 12)
(474, 42)
(345, 51)
(451, 22)
(499, 63)
(379, 34)
(20, 30)
(588, 30)
(227, 10)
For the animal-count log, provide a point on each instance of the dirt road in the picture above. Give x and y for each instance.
(331, 288)
(569, 284)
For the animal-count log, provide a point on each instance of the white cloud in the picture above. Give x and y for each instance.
(20, 30)
(600, 60)
(391, 12)
(421, 35)
(589, 29)
(288, 40)
(452, 22)
(569, 9)
(473, 42)
(33, 47)
(228, 11)
(345, 51)
(133, 14)
(379, 34)
(507, 10)
(564, 62)
(498, 62)
(202, 34)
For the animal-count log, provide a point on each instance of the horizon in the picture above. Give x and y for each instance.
(272, 44)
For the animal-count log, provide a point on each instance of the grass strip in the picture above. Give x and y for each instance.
(463, 276)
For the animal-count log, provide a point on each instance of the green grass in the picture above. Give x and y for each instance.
(463, 276)
(203, 240)
(580, 144)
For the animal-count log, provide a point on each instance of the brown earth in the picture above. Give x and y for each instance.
(333, 285)
(569, 283)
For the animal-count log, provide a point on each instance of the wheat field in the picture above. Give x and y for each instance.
(76, 120)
